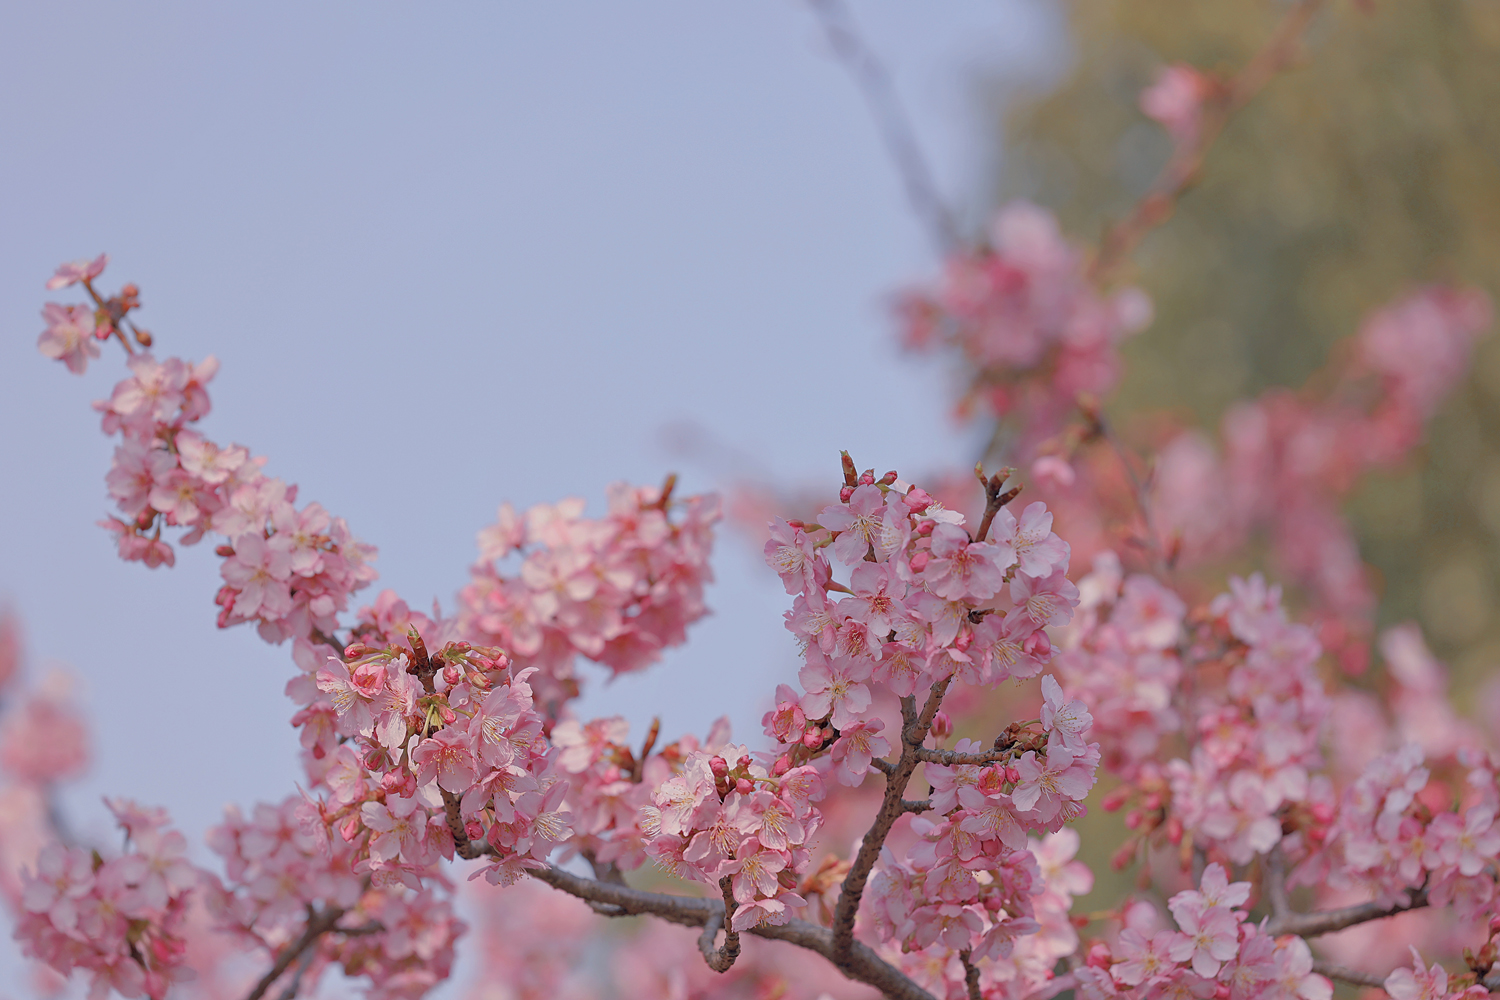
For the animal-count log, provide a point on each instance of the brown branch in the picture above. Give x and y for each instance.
(918, 806)
(860, 963)
(464, 847)
(1327, 921)
(994, 497)
(971, 974)
(913, 731)
(721, 959)
(895, 128)
(318, 924)
(948, 758)
(1183, 169)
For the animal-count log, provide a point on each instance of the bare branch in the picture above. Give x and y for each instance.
(859, 963)
(292, 987)
(1327, 921)
(895, 128)
(917, 806)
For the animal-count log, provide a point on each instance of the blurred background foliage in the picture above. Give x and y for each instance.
(1371, 165)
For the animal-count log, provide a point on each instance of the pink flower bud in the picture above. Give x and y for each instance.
(719, 766)
(867, 478)
(1133, 819)
(942, 725)
(1099, 956)
(473, 830)
(889, 478)
(919, 561)
(926, 528)
(813, 738)
(452, 675)
(744, 761)
(1037, 644)
(349, 827)
(448, 714)
(354, 650)
(1115, 799)
(845, 493)
(1174, 830)
(782, 766)
(391, 782)
(744, 786)
(1012, 775)
(918, 499)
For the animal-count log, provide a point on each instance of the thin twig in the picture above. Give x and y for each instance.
(1274, 883)
(895, 128)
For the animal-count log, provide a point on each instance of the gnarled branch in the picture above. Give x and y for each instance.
(1327, 921)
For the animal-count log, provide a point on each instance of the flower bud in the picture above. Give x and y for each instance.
(474, 830)
(782, 766)
(355, 650)
(143, 337)
(926, 528)
(1133, 819)
(719, 766)
(867, 478)
(452, 675)
(1012, 775)
(889, 478)
(1115, 799)
(1037, 644)
(813, 738)
(744, 786)
(942, 725)
(224, 551)
(1174, 830)
(1099, 956)
(743, 761)
(391, 782)
(845, 493)
(918, 500)
(919, 561)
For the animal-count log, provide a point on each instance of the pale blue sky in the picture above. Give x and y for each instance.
(450, 255)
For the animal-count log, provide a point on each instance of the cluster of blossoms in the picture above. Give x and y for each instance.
(1027, 321)
(1239, 692)
(120, 920)
(968, 878)
(281, 865)
(618, 590)
(1215, 952)
(290, 571)
(1290, 458)
(737, 826)
(1396, 834)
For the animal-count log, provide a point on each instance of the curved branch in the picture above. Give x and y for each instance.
(860, 963)
(948, 758)
(971, 974)
(1327, 921)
